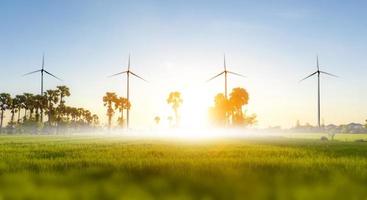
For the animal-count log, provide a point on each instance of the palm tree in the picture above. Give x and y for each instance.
(108, 99)
(27, 104)
(80, 112)
(95, 120)
(170, 118)
(40, 103)
(87, 117)
(13, 109)
(20, 99)
(64, 91)
(5, 103)
(220, 112)
(52, 101)
(157, 119)
(175, 100)
(52, 97)
(68, 112)
(122, 104)
(238, 98)
(73, 114)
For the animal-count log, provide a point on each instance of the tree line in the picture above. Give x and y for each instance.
(229, 111)
(114, 103)
(48, 113)
(225, 112)
(27, 113)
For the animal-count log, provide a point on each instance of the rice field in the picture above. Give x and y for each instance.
(96, 167)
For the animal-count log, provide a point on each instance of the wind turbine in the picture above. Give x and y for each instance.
(42, 70)
(225, 72)
(318, 72)
(128, 72)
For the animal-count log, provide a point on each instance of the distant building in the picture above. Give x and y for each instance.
(353, 128)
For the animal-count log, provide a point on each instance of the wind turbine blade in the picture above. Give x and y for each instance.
(43, 61)
(117, 74)
(128, 65)
(225, 64)
(317, 62)
(234, 73)
(52, 75)
(138, 76)
(329, 74)
(215, 76)
(31, 72)
(308, 76)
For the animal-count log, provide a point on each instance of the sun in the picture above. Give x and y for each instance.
(194, 109)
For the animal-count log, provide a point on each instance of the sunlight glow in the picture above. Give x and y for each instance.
(191, 134)
(194, 110)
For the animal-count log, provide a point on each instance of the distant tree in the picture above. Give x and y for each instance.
(239, 97)
(21, 100)
(249, 120)
(170, 119)
(73, 114)
(95, 120)
(28, 105)
(157, 119)
(80, 115)
(5, 103)
(13, 109)
(121, 104)
(87, 117)
(67, 114)
(219, 113)
(174, 98)
(108, 100)
(40, 104)
(51, 102)
(52, 97)
(230, 111)
(64, 91)
(344, 129)
(298, 124)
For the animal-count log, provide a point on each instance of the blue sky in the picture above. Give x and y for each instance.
(177, 45)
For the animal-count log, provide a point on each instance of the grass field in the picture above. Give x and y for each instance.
(80, 167)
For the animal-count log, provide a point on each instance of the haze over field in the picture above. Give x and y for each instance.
(179, 45)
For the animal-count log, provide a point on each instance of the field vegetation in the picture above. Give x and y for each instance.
(96, 167)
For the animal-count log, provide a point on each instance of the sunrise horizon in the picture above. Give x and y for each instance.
(272, 63)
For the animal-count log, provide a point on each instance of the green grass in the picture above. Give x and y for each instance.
(76, 167)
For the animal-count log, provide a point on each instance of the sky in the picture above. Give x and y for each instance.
(178, 45)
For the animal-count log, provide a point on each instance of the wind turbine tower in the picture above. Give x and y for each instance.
(128, 72)
(318, 73)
